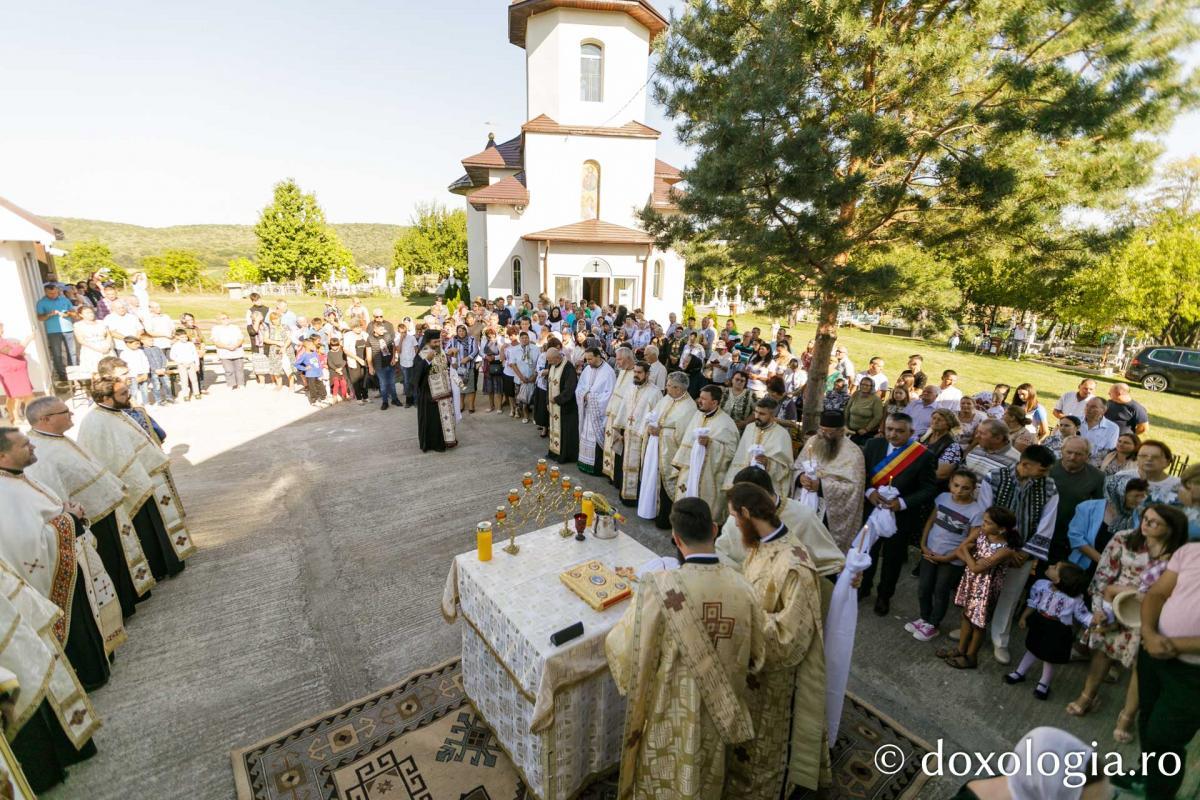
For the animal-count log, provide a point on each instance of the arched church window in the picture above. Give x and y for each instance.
(516, 276)
(589, 204)
(658, 278)
(591, 71)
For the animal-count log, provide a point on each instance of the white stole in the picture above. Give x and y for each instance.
(696, 464)
(841, 624)
(648, 499)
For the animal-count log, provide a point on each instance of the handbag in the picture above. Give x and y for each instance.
(495, 368)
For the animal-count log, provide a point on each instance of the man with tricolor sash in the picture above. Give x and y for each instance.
(897, 460)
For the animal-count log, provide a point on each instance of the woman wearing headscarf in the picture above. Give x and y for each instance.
(1047, 764)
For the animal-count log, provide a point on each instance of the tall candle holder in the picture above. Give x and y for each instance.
(512, 548)
(526, 484)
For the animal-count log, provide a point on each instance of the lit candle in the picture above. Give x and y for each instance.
(483, 540)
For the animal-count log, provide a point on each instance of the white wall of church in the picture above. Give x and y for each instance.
(552, 66)
(477, 272)
(20, 289)
(504, 230)
(554, 174)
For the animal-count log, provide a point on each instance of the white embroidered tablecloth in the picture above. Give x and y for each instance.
(555, 710)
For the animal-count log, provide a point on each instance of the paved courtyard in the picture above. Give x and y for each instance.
(324, 541)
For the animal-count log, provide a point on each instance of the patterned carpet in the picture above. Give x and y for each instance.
(422, 740)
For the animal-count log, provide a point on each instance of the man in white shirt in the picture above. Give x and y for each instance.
(708, 333)
(406, 349)
(658, 373)
(921, 410)
(1102, 433)
(843, 363)
(160, 326)
(1073, 404)
(230, 341)
(949, 395)
(121, 323)
(874, 374)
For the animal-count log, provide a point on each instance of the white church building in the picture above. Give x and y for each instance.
(553, 209)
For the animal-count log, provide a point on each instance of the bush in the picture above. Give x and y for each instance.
(689, 311)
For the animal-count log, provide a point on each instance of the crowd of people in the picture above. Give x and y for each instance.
(1057, 519)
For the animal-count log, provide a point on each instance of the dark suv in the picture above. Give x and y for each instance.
(1161, 368)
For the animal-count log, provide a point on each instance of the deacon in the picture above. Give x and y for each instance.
(643, 397)
(592, 394)
(900, 461)
(133, 454)
(665, 424)
(705, 450)
(613, 445)
(564, 414)
(801, 521)
(765, 444)
(683, 654)
(38, 542)
(434, 395)
(73, 474)
(836, 478)
(790, 748)
(46, 712)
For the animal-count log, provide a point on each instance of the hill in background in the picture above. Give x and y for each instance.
(370, 243)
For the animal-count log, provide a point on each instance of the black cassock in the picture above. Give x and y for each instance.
(429, 424)
(568, 416)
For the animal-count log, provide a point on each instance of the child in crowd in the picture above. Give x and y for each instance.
(308, 364)
(956, 517)
(986, 557)
(187, 360)
(158, 379)
(1055, 602)
(139, 367)
(335, 361)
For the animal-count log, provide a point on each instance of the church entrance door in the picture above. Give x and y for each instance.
(594, 290)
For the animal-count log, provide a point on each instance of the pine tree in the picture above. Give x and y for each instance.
(837, 139)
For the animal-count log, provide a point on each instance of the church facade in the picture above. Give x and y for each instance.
(553, 209)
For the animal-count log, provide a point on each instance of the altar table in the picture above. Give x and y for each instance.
(554, 710)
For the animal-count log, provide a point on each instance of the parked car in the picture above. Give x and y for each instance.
(1159, 369)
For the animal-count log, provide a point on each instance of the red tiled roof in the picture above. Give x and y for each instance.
(667, 172)
(543, 124)
(519, 12)
(591, 231)
(31, 218)
(665, 194)
(507, 155)
(510, 191)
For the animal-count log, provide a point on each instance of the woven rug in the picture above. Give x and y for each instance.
(422, 740)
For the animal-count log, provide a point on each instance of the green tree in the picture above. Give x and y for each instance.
(1151, 283)
(435, 244)
(173, 268)
(828, 133)
(295, 241)
(242, 270)
(87, 257)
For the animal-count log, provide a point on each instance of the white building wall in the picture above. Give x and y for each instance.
(554, 175)
(552, 43)
(20, 288)
(504, 229)
(477, 274)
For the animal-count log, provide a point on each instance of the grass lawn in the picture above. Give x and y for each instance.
(1174, 418)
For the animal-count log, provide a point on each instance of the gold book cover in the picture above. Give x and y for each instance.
(598, 585)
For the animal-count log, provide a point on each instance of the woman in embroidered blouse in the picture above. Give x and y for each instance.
(942, 442)
(738, 403)
(1124, 562)
(1124, 457)
(1067, 427)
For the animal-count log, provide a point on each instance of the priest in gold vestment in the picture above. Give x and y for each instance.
(48, 717)
(665, 423)
(801, 521)
(642, 398)
(73, 474)
(46, 542)
(838, 477)
(766, 444)
(613, 444)
(791, 748)
(701, 472)
(682, 655)
(132, 452)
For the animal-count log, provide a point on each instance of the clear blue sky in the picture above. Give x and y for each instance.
(162, 113)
